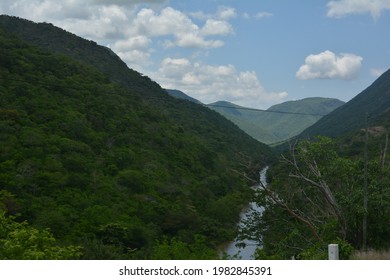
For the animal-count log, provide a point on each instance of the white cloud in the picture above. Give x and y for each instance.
(126, 2)
(168, 22)
(135, 43)
(193, 40)
(210, 83)
(216, 28)
(262, 15)
(223, 13)
(112, 13)
(327, 65)
(246, 16)
(136, 59)
(172, 68)
(185, 33)
(343, 8)
(134, 51)
(34, 9)
(226, 13)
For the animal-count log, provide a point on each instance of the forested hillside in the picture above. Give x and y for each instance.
(103, 159)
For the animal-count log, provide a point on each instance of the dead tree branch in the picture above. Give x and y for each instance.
(293, 213)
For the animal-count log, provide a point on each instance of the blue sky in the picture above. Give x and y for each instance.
(254, 53)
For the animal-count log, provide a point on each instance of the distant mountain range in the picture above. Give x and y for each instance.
(279, 122)
(276, 124)
(305, 121)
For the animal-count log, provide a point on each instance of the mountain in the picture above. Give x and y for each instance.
(304, 113)
(245, 119)
(373, 101)
(102, 157)
(179, 94)
(279, 122)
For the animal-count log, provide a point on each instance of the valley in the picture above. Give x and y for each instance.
(98, 161)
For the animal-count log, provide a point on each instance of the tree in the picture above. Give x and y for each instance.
(176, 249)
(310, 189)
(19, 241)
(315, 197)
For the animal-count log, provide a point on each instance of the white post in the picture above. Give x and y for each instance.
(333, 251)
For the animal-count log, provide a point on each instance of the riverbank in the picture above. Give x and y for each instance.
(245, 249)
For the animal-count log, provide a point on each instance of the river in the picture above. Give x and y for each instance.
(247, 252)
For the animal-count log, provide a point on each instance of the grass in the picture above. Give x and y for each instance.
(371, 255)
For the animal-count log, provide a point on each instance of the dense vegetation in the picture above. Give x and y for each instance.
(272, 126)
(316, 197)
(106, 165)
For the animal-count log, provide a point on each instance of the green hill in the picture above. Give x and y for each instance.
(106, 160)
(374, 101)
(246, 120)
(274, 124)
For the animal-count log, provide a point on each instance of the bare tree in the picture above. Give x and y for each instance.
(319, 207)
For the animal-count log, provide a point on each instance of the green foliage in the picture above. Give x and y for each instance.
(19, 241)
(319, 251)
(175, 249)
(287, 226)
(8, 202)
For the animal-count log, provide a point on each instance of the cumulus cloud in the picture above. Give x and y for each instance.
(137, 42)
(327, 65)
(210, 83)
(343, 8)
(122, 20)
(169, 21)
(223, 13)
(226, 13)
(216, 27)
(184, 31)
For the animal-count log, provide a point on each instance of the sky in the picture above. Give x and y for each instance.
(254, 53)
